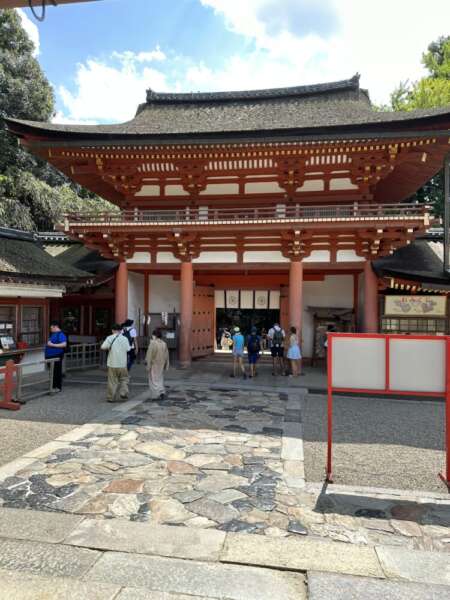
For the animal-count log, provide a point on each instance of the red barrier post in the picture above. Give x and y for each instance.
(446, 476)
(8, 387)
(329, 477)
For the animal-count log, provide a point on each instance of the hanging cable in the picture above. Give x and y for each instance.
(40, 17)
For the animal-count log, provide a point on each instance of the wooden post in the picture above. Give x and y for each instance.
(121, 293)
(295, 295)
(186, 308)
(370, 299)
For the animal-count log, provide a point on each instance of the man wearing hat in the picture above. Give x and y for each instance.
(238, 353)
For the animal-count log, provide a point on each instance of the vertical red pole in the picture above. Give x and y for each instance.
(387, 346)
(329, 476)
(447, 411)
(370, 299)
(186, 308)
(121, 293)
(295, 295)
(8, 387)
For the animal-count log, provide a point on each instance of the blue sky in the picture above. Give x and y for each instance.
(102, 56)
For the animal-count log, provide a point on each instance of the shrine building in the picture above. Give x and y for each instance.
(275, 200)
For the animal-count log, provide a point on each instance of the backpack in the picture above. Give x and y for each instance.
(277, 338)
(127, 334)
(253, 345)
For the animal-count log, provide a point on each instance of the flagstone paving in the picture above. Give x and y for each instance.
(228, 460)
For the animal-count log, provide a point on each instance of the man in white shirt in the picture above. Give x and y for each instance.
(118, 347)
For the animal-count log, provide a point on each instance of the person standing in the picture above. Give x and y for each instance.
(253, 349)
(276, 336)
(129, 331)
(55, 348)
(238, 353)
(118, 347)
(157, 359)
(294, 354)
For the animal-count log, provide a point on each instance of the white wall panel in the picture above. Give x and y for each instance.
(216, 257)
(256, 256)
(263, 187)
(148, 190)
(175, 190)
(140, 257)
(318, 256)
(166, 258)
(136, 297)
(417, 365)
(219, 298)
(246, 298)
(221, 188)
(359, 363)
(164, 294)
(348, 256)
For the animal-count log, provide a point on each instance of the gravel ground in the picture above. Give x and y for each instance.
(43, 419)
(377, 442)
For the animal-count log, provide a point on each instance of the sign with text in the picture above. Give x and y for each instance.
(416, 306)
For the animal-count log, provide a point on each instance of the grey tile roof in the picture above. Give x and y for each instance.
(322, 108)
(416, 262)
(25, 258)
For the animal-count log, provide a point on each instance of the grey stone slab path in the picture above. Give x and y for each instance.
(423, 567)
(195, 578)
(329, 586)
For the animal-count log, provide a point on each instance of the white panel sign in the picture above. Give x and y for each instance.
(246, 299)
(219, 298)
(232, 298)
(358, 363)
(417, 365)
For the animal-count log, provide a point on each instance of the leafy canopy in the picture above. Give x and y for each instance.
(33, 195)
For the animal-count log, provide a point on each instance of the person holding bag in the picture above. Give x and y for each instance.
(118, 347)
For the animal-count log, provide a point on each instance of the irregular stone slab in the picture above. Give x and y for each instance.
(415, 565)
(292, 442)
(200, 460)
(408, 512)
(97, 505)
(146, 538)
(160, 450)
(213, 510)
(168, 510)
(330, 586)
(177, 466)
(125, 505)
(198, 579)
(125, 486)
(142, 594)
(407, 528)
(38, 526)
(216, 482)
(189, 496)
(46, 559)
(226, 496)
(302, 554)
(29, 587)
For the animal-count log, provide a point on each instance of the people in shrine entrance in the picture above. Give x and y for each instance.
(294, 354)
(157, 359)
(238, 353)
(129, 331)
(276, 337)
(253, 349)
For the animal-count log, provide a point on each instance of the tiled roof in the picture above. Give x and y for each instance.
(22, 256)
(330, 108)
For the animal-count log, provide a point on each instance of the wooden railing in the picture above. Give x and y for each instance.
(264, 213)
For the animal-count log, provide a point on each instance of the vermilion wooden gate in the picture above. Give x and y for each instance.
(203, 320)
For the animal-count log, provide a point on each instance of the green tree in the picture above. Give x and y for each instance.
(33, 195)
(431, 91)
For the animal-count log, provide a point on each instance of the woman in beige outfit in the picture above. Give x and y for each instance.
(157, 359)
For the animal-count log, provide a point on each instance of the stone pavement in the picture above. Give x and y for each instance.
(211, 462)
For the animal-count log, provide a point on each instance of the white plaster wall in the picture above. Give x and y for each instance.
(166, 258)
(254, 256)
(216, 257)
(348, 256)
(136, 298)
(334, 291)
(140, 257)
(164, 294)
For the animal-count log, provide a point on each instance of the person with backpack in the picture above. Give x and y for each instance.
(55, 348)
(129, 331)
(253, 349)
(276, 336)
(118, 347)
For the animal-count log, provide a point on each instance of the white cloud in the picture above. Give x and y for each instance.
(106, 92)
(383, 42)
(289, 42)
(31, 29)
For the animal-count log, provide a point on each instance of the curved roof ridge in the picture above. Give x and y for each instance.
(258, 94)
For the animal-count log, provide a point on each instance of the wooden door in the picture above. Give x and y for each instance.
(203, 319)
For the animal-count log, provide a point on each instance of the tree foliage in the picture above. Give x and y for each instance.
(432, 91)
(33, 195)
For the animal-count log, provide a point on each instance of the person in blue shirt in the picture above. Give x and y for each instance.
(55, 348)
(238, 353)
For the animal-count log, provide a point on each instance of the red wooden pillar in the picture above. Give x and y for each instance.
(370, 299)
(186, 307)
(121, 293)
(296, 295)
